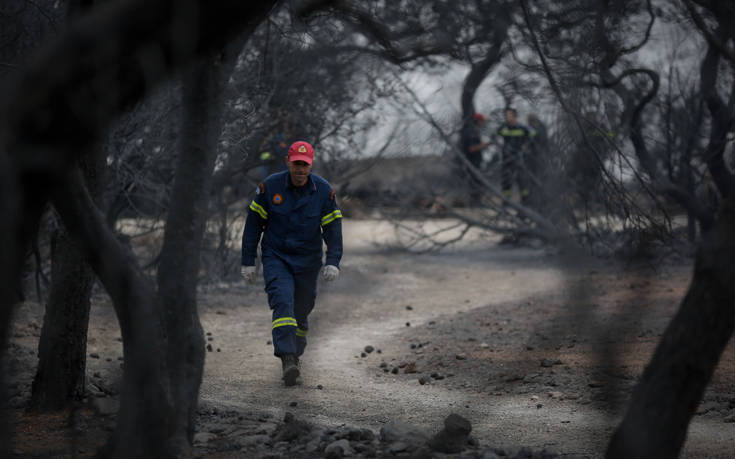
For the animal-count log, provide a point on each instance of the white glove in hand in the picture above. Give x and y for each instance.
(248, 273)
(330, 273)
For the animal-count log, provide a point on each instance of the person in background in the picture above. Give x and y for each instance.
(515, 145)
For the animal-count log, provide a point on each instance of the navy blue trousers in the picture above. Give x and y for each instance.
(291, 297)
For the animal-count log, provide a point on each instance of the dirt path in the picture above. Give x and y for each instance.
(481, 282)
(533, 354)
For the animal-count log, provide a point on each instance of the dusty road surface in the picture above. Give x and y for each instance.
(534, 350)
(517, 343)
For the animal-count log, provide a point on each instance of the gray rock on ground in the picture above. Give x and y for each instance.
(453, 438)
(291, 429)
(399, 437)
(338, 449)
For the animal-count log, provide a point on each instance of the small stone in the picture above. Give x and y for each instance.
(408, 324)
(97, 374)
(461, 356)
(219, 350)
(210, 339)
(410, 368)
(409, 307)
(353, 434)
(94, 355)
(546, 363)
(730, 417)
(383, 365)
(369, 349)
(398, 447)
(484, 345)
(319, 386)
(394, 370)
(209, 333)
(367, 435)
(293, 404)
(338, 449)
(363, 355)
(539, 406)
(209, 347)
(269, 342)
(454, 437)
(379, 351)
(424, 379)
(108, 359)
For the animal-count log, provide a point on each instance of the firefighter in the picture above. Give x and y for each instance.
(472, 147)
(294, 210)
(515, 146)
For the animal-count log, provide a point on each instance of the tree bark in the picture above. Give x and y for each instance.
(60, 376)
(721, 123)
(673, 383)
(144, 403)
(478, 72)
(62, 348)
(178, 268)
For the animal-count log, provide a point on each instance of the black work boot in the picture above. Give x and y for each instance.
(290, 369)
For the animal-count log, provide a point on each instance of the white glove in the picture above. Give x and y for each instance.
(330, 273)
(248, 273)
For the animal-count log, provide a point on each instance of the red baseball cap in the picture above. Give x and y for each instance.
(478, 116)
(301, 151)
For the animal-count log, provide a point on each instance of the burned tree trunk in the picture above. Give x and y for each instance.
(62, 348)
(144, 405)
(672, 385)
(180, 257)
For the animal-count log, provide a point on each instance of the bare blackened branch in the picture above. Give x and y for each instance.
(708, 35)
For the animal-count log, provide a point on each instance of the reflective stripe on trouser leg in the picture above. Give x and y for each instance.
(304, 298)
(301, 339)
(279, 284)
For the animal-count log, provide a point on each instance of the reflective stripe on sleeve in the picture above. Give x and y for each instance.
(301, 333)
(258, 209)
(505, 132)
(329, 218)
(285, 321)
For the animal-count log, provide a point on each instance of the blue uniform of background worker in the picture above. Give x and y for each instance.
(294, 210)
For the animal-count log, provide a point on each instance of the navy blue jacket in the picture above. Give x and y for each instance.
(293, 223)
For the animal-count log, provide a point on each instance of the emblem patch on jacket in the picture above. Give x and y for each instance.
(277, 199)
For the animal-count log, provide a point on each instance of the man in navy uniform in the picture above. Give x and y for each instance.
(294, 211)
(515, 146)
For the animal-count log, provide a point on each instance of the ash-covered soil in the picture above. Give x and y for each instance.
(536, 352)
